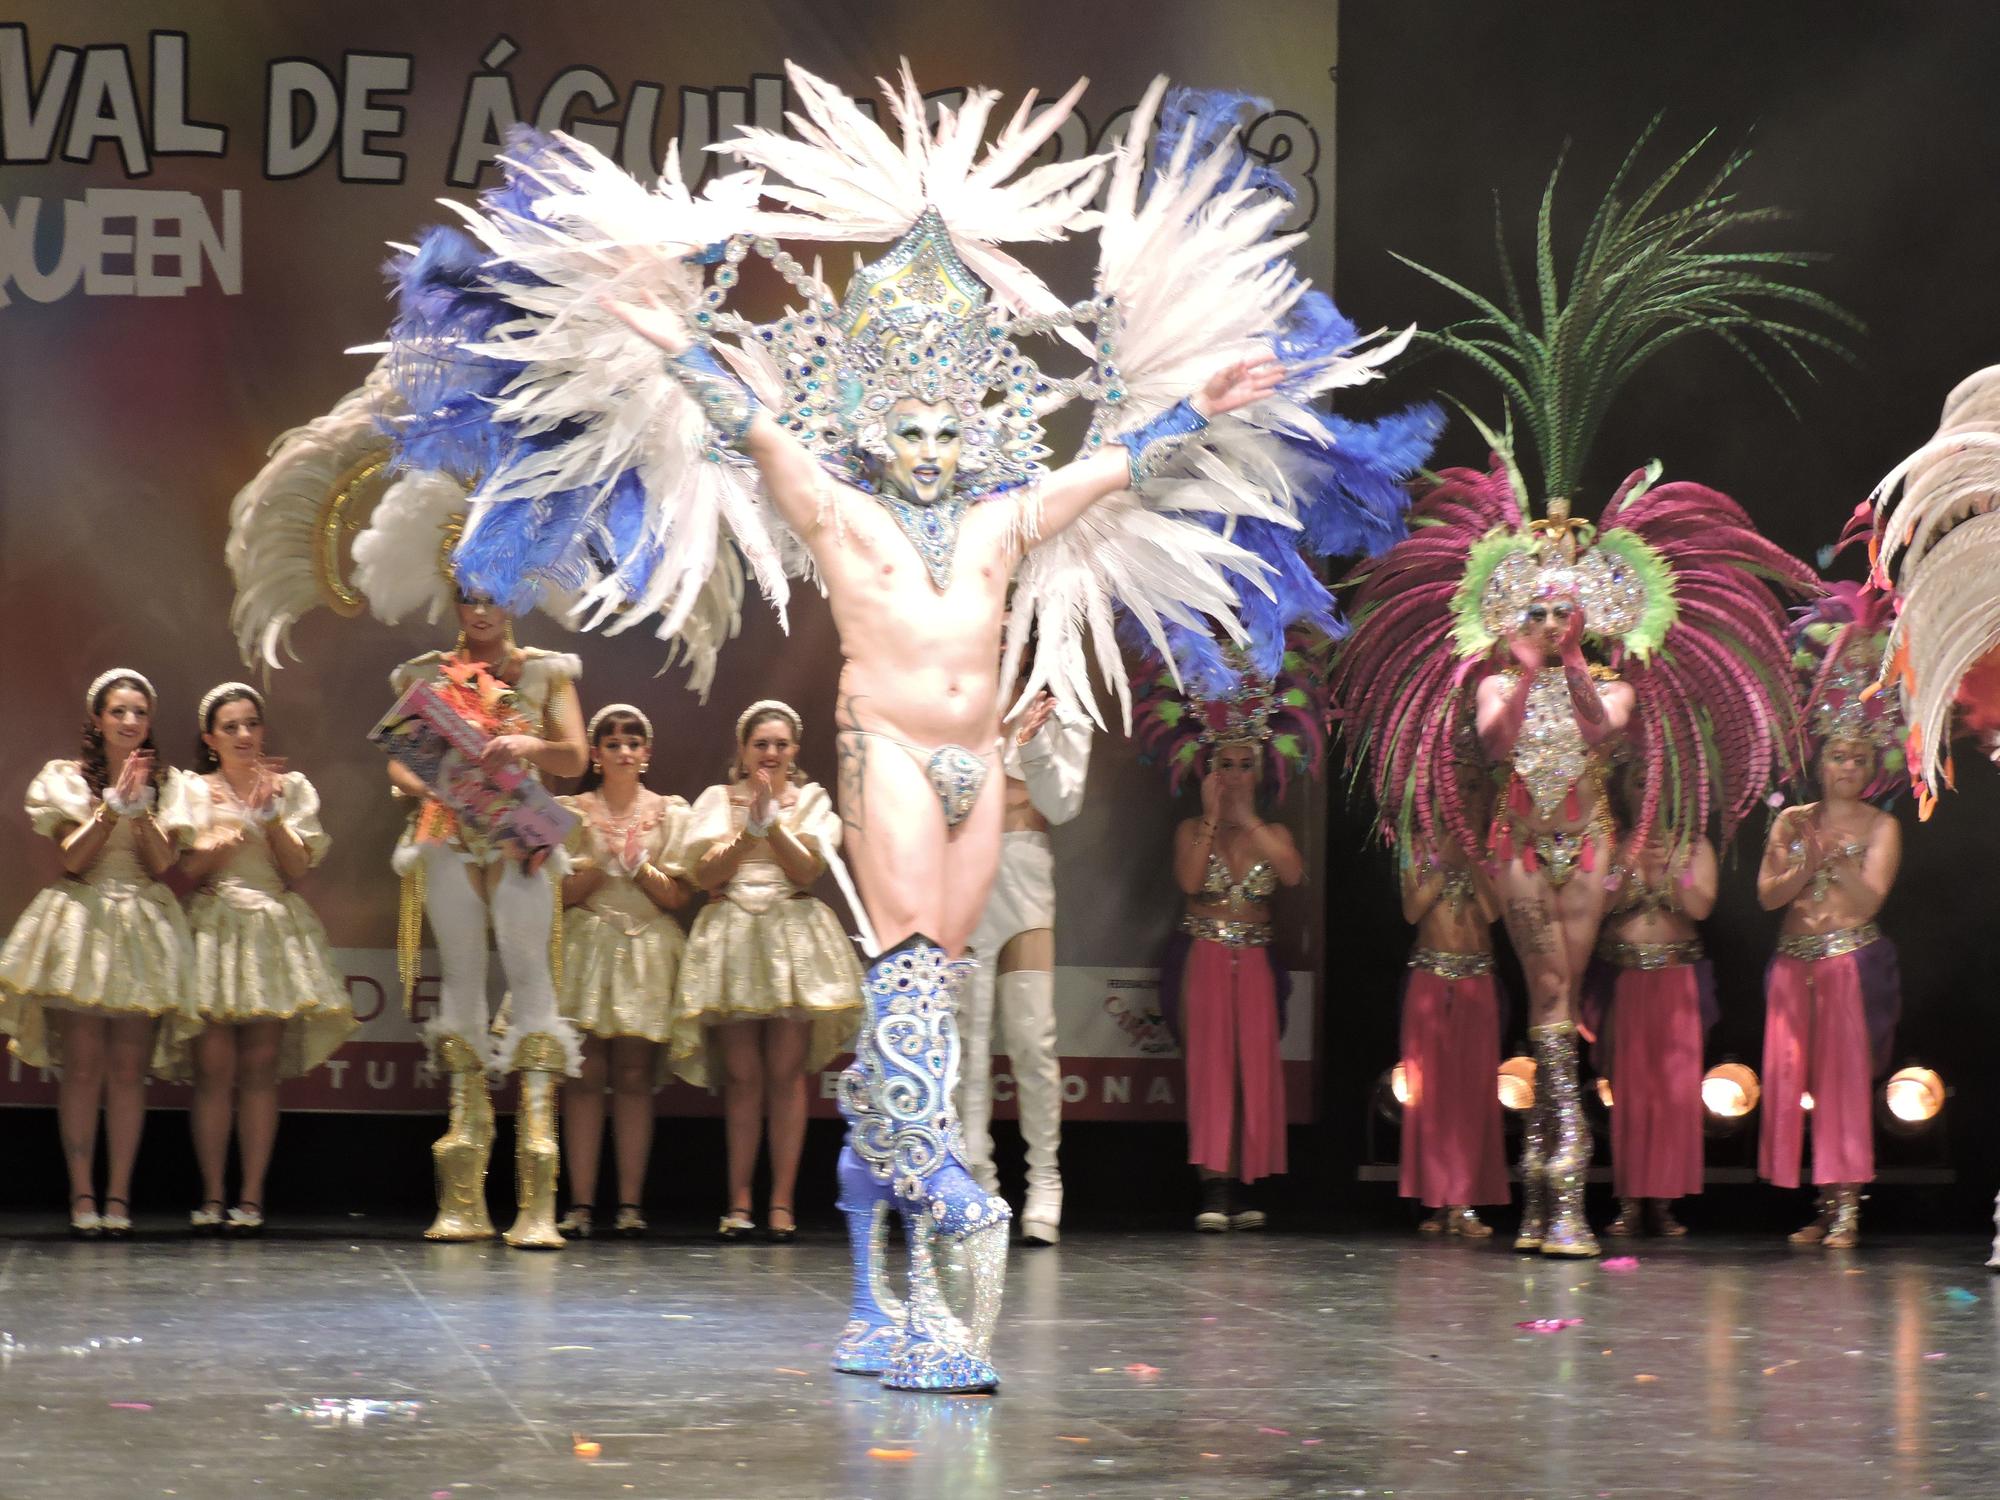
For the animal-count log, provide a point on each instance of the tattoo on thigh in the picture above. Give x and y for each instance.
(1531, 925)
(851, 763)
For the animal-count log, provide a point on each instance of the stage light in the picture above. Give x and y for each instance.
(1517, 1084)
(1913, 1096)
(1604, 1092)
(1392, 1094)
(1806, 1102)
(1729, 1091)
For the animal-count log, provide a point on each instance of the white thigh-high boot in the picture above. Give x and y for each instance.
(462, 1049)
(1993, 1261)
(975, 1078)
(1028, 1017)
(523, 918)
(540, 1045)
(458, 918)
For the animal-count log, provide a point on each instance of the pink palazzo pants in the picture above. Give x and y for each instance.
(1656, 1045)
(1453, 1151)
(1816, 1042)
(1230, 1040)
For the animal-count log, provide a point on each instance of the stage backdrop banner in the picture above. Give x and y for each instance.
(195, 202)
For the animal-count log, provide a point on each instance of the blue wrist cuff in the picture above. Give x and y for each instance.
(1153, 445)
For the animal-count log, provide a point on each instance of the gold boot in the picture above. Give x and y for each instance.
(1844, 1233)
(1534, 1171)
(462, 1153)
(540, 1061)
(1568, 1143)
(1814, 1232)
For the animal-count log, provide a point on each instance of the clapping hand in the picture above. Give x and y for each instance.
(1036, 715)
(762, 797)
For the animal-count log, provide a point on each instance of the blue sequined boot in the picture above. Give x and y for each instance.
(874, 1332)
(905, 1127)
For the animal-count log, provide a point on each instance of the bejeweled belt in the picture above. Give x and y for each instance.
(1228, 932)
(1452, 965)
(1815, 946)
(1651, 955)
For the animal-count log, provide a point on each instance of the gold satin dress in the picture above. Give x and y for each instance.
(112, 941)
(260, 953)
(764, 947)
(621, 953)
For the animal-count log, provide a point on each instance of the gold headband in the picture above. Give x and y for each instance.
(769, 706)
(104, 680)
(590, 729)
(222, 689)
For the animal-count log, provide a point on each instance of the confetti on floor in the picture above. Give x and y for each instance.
(1547, 1325)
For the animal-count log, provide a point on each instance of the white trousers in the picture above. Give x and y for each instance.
(1015, 1013)
(521, 915)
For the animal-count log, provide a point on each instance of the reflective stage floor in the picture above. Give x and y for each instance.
(331, 1364)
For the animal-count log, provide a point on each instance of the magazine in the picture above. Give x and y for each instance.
(507, 806)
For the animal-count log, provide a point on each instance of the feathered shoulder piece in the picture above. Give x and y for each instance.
(1285, 714)
(1936, 546)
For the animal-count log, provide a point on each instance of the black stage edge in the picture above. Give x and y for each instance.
(1147, 1365)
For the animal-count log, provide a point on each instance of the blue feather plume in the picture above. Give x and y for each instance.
(1210, 116)
(446, 298)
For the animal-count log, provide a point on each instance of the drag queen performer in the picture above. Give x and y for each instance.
(1660, 1002)
(1937, 544)
(770, 988)
(621, 960)
(269, 1003)
(524, 699)
(1831, 991)
(1453, 1147)
(850, 437)
(1222, 993)
(1014, 950)
(1657, 627)
(101, 955)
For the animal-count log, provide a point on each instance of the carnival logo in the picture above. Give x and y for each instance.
(89, 108)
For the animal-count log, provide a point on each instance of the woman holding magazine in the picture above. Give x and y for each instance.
(523, 702)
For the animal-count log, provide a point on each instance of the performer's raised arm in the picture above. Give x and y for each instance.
(791, 475)
(1135, 457)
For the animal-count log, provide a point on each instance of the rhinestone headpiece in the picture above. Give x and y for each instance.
(915, 324)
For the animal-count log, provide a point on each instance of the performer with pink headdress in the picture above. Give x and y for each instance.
(1222, 993)
(1832, 994)
(1655, 633)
